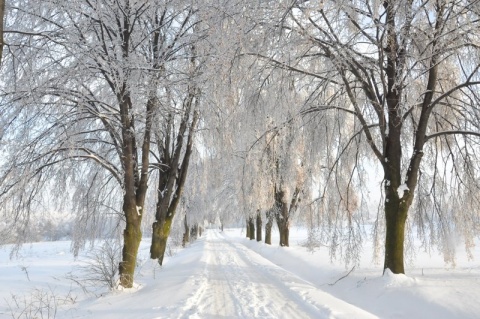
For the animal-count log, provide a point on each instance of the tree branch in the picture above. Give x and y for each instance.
(444, 133)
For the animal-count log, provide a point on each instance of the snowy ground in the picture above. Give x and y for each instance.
(224, 275)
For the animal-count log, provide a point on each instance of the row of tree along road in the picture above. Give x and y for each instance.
(282, 109)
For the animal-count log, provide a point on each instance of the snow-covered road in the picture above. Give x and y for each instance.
(225, 275)
(238, 283)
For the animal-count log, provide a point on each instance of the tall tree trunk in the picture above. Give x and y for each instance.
(200, 230)
(247, 227)
(171, 185)
(186, 232)
(259, 226)
(172, 180)
(251, 227)
(396, 205)
(268, 228)
(135, 187)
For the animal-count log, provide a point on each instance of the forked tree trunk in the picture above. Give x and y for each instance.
(135, 189)
(174, 173)
(397, 202)
(259, 226)
(251, 227)
(170, 188)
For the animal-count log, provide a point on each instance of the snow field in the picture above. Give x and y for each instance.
(225, 275)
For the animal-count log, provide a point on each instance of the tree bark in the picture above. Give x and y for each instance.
(251, 227)
(284, 236)
(268, 228)
(160, 234)
(247, 228)
(259, 226)
(283, 211)
(186, 233)
(394, 240)
(132, 235)
(283, 228)
(194, 231)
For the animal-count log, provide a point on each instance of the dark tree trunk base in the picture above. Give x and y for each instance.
(132, 236)
(159, 240)
(284, 234)
(251, 228)
(259, 227)
(268, 229)
(396, 216)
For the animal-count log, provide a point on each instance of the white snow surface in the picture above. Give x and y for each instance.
(401, 190)
(225, 275)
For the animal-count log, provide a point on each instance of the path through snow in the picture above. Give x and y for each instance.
(238, 283)
(224, 275)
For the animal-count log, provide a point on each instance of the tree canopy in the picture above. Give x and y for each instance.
(285, 110)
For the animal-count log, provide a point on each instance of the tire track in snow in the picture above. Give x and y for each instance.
(236, 287)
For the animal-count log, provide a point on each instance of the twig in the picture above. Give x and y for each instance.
(343, 276)
(25, 270)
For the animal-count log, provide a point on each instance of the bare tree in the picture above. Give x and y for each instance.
(173, 166)
(403, 77)
(101, 78)
(289, 180)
